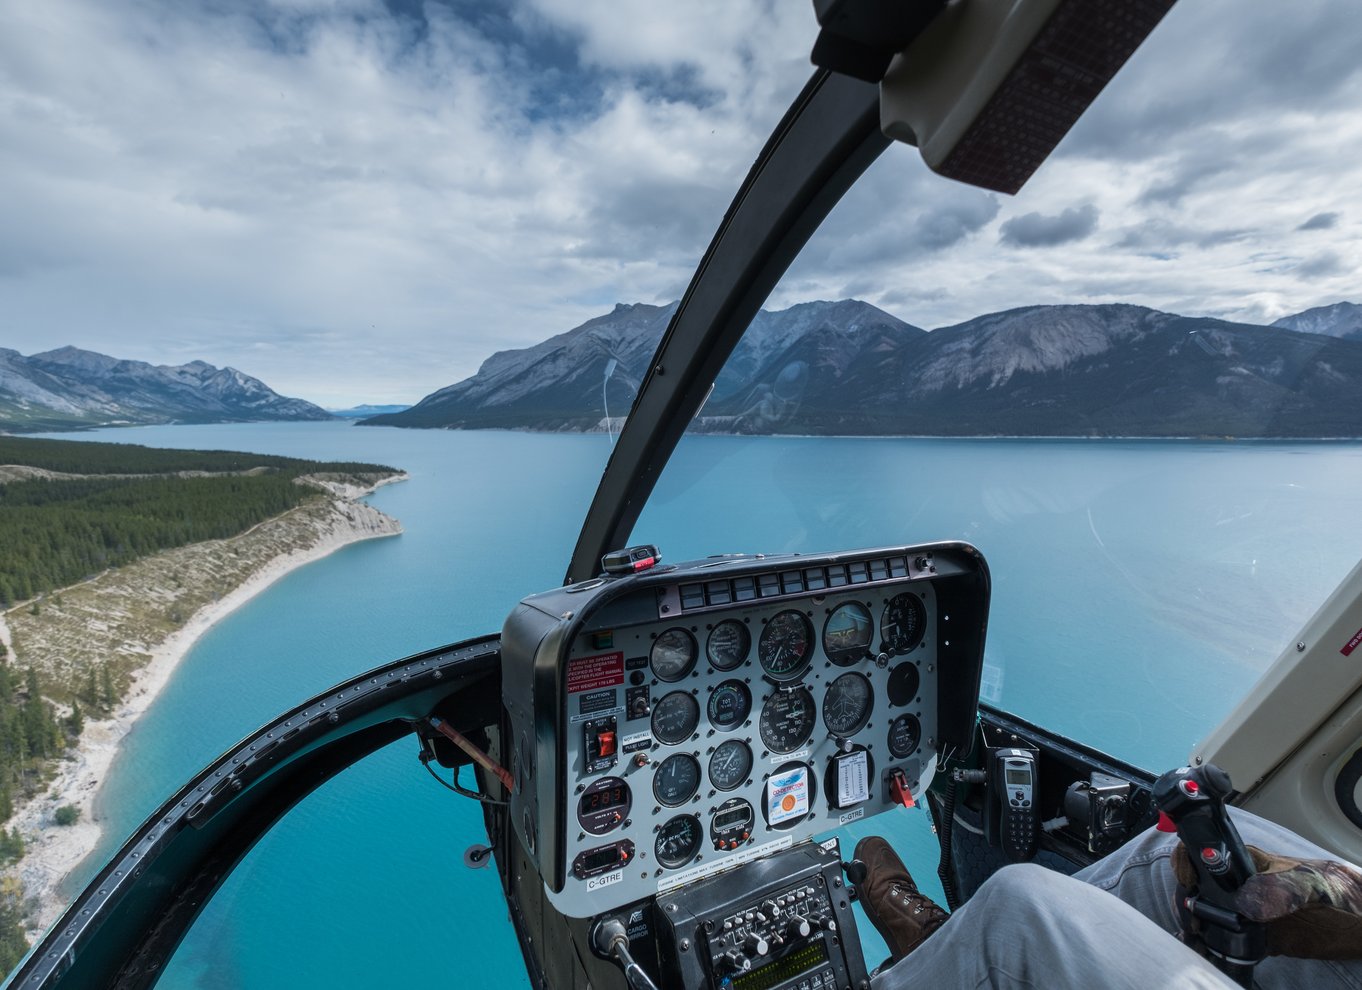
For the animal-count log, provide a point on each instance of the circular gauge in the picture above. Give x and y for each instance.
(847, 634)
(729, 704)
(678, 840)
(674, 654)
(728, 644)
(787, 720)
(603, 805)
(786, 645)
(732, 824)
(904, 734)
(904, 621)
(903, 684)
(847, 704)
(675, 717)
(730, 765)
(676, 780)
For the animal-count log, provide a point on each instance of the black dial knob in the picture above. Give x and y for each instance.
(756, 945)
(736, 961)
(799, 927)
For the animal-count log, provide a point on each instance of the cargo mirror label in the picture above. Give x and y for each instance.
(787, 796)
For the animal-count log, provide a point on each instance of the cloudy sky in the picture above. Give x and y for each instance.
(359, 200)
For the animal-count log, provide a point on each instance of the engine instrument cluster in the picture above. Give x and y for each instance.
(674, 724)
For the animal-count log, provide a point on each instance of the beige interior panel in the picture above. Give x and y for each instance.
(1286, 742)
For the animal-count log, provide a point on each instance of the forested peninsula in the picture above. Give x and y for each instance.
(113, 558)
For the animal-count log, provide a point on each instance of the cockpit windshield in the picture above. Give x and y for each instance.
(1128, 386)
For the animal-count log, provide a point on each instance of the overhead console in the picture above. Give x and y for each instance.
(675, 723)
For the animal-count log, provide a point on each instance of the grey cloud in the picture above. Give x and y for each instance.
(1213, 62)
(1038, 230)
(898, 213)
(1321, 221)
(1321, 265)
(1159, 236)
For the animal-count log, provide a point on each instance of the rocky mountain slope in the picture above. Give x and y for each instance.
(849, 368)
(1342, 319)
(69, 388)
(578, 379)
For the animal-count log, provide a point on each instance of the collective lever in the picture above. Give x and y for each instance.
(609, 940)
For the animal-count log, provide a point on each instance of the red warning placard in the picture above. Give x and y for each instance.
(590, 673)
(1353, 644)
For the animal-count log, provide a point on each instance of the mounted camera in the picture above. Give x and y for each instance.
(1098, 809)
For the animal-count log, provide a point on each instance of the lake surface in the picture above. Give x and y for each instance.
(1139, 589)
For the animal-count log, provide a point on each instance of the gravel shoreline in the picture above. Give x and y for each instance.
(53, 851)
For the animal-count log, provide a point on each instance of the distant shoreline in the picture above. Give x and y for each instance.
(53, 851)
(888, 436)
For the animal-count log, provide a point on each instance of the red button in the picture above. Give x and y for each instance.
(1191, 786)
(1166, 824)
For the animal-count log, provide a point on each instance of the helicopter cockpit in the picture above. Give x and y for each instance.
(663, 748)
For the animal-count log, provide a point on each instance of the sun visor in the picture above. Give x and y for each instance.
(990, 87)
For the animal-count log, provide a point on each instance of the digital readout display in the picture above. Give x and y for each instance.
(1022, 777)
(599, 859)
(734, 816)
(603, 800)
(773, 974)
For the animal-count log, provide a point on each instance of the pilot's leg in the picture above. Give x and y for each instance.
(1029, 927)
(1139, 874)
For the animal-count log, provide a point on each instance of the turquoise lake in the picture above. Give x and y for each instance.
(1139, 589)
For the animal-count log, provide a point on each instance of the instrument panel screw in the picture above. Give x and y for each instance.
(1300, 647)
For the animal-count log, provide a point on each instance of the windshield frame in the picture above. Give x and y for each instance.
(824, 143)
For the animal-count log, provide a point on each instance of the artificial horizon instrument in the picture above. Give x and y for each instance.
(667, 748)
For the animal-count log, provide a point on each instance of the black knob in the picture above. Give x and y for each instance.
(756, 945)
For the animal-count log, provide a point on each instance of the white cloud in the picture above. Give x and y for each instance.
(358, 206)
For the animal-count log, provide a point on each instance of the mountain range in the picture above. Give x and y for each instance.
(847, 367)
(70, 388)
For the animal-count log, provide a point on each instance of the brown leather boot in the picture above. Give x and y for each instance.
(902, 914)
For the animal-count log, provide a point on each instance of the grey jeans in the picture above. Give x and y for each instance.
(1031, 927)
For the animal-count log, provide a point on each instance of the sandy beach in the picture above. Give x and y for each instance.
(51, 850)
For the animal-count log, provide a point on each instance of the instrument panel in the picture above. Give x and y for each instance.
(702, 722)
